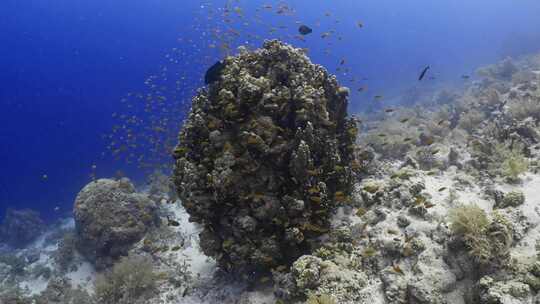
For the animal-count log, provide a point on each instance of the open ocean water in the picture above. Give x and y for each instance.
(66, 65)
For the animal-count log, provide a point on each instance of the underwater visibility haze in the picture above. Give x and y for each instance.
(66, 65)
(166, 133)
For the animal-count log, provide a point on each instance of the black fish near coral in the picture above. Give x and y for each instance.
(305, 30)
(213, 74)
(172, 223)
(424, 71)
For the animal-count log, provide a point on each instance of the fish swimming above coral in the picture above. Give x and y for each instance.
(213, 74)
(305, 30)
(250, 178)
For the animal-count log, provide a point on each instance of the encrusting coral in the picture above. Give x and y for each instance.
(264, 157)
(110, 216)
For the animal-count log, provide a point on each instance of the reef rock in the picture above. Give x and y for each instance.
(503, 292)
(109, 218)
(264, 157)
(20, 227)
(500, 71)
(511, 199)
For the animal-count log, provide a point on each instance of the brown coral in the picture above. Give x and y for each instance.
(264, 157)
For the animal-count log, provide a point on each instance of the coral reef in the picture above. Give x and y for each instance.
(60, 291)
(333, 270)
(64, 255)
(503, 70)
(161, 187)
(15, 263)
(442, 207)
(511, 199)
(264, 157)
(109, 218)
(322, 299)
(20, 227)
(488, 240)
(132, 280)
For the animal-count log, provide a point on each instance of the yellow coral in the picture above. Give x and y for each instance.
(321, 299)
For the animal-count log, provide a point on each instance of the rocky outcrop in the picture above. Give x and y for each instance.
(110, 216)
(264, 157)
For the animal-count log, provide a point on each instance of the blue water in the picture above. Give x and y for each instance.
(66, 65)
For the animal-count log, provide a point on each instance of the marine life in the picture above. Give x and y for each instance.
(397, 269)
(305, 30)
(423, 73)
(271, 182)
(213, 74)
(428, 205)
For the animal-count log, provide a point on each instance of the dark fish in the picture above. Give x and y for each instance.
(465, 76)
(304, 30)
(213, 74)
(424, 71)
(172, 223)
